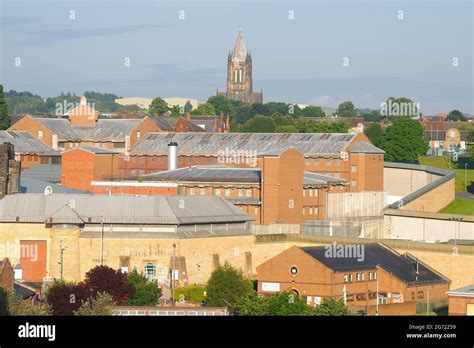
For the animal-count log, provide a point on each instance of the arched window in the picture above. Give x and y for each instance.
(150, 270)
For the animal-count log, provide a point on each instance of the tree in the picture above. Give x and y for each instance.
(188, 106)
(158, 107)
(313, 111)
(456, 115)
(281, 120)
(145, 292)
(259, 109)
(65, 299)
(277, 107)
(258, 124)
(375, 133)
(104, 278)
(252, 305)
(227, 286)
(12, 304)
(346, 109)
(204, 109)
(288, 304)
(330, 306)
(286, 129)
(101, 304)
(404, 141)
(220, 104)
(310, 126)
(4, 118)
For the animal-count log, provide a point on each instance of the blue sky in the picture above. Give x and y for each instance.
(295, 60)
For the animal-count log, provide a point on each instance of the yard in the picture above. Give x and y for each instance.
(459, 206)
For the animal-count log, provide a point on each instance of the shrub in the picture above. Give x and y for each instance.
(101, 304)
(145, 292)
(66, 299)
(114, 282)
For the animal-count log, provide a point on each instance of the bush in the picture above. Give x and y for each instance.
(145, 292)
(101, 304)
(12, 304)
(226, 286)
(66, 299)
(193, 293)
(114, 282)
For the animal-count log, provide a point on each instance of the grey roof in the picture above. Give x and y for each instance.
(86, 208)
(23, 142)
(44, 172)
(466, 291)
(208, 174)
(404, 267)
(169, 124)
(105, 129)
(93, 149)
(363, 147)
(312, 178)
(309, 144)
(31, 185)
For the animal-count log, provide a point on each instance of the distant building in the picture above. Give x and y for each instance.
(6, 273)
(359, 274)
(239, 74)
(9, 171)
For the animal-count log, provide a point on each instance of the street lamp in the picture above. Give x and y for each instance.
(465, 176)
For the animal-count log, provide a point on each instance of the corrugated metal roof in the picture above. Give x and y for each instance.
(310, 144)
(105, 129)
(86, 208)
(169, 124)
(31, 185)
(208, 174)
(363, 147)
(92, 149)
(24, 142)
(312, 178)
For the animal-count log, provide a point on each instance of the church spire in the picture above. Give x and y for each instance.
(240, 52)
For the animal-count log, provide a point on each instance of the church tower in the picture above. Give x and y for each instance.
(239, 74)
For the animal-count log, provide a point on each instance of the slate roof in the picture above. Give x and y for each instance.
(24, 142)
(466, 291)
(93, 149)
(120, 209)
(169, 124)
(31, 185)
(363, 147)
(309, 144)
(402, 267)
(44, 172)
(105, 129)
(312, 178)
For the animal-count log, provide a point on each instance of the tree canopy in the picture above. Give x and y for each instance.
(346, 109)
(375, 133)
(456, 115)
(4, 118)
(158, 107)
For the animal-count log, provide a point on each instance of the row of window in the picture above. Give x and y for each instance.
(317, 162)
(360, 277)
(310, 211)
(218, 192)
(310, 192)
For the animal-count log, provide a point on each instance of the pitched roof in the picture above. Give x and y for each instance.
(93, 149)
(208, 174)
(403, 267)
(31, 185)
(44, 172)
(23, 142)
(312, 178)
(169, 124)
(105, 129)
(126, 209)
(363, 147)
(309, 144)
(466, 291)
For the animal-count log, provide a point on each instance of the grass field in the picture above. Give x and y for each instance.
(460, 206)
(458, 167)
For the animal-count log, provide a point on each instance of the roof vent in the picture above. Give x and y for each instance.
(48, 191)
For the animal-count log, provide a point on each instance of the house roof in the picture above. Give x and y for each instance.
(403, 267)
(309, 144)
(120, 209)
(44, 172)
(104, 130)
(24, 142)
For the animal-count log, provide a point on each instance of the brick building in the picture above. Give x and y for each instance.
(85, 164)
(6, 273)
(357, 273)
(276, 190)
(350, 157)
(461, 301)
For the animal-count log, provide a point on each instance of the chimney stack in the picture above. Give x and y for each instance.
(172, 155)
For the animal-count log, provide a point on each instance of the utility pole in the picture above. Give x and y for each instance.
(465, 176)
(428, 302)
(173, 274)
(102, 240)
(61, 262)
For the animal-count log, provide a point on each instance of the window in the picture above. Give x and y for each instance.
(354, 183)
(360, 277)
(316, 210)
(227, 192)
(255, 210)
(328, 162)
(354, 169)
(191, 191)
(347, 278)
(241, 192)
(336, 162)
(304, 192)
(40, 134)
(203, 191)
(310, 210)
(249, 193)
(139, 134)
(311, 192)
(217, 192)
(316, 192)
(150, 270)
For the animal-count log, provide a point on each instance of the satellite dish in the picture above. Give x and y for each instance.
(48, 190)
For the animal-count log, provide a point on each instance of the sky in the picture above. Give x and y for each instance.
(420, 49)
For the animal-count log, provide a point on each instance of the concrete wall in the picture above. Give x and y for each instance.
(401, 182)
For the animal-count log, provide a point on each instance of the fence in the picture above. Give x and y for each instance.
(275, 229)
(354, 227)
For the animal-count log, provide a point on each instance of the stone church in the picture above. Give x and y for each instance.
(239, 74)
